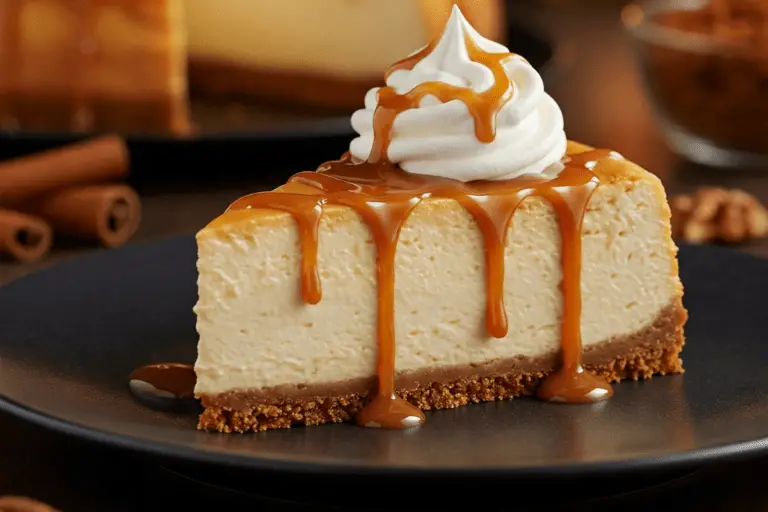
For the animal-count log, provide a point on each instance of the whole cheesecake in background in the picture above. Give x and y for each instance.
(462, 251)
(324, 54)
(127, 65)
(69, 65)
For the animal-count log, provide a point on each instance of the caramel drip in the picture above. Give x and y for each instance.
(571, 383)
(384, 196)
(174, 378)
(410, 62)
(493, 214)
(483, 106)
(306, 210)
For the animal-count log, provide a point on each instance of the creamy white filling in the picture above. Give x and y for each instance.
(256, 332)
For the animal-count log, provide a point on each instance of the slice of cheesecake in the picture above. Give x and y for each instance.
(267, 358)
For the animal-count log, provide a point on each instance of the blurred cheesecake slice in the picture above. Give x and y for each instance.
(325, 53)
(123, 65)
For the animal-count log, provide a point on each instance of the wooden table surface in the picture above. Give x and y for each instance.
(595, 81)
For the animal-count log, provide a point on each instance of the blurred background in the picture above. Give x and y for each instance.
(207, 100)
(217, 99)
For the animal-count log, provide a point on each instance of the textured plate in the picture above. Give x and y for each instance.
(69, 336)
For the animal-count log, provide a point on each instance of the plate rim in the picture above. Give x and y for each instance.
(677, 461)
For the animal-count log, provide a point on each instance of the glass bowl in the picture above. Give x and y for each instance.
(705, 69)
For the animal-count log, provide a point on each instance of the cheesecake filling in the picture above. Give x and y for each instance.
(384, 195)
(660, 338)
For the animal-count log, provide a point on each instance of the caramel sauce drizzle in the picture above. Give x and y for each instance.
(177, 379)
(483, 106)
(384, 196)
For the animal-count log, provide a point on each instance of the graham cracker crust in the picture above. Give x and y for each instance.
(215, 78)
(654, 350)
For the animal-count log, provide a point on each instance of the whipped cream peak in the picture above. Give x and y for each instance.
(440, 138)
(449, 60)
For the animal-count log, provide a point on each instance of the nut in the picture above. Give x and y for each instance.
(714, 214)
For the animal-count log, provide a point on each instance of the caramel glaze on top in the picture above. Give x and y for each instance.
(384, 196)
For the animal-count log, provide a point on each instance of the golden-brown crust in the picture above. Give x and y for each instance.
(611, 171)
(654, 350)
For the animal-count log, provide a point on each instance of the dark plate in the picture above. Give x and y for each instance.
(69, 337)
(256, 146)
(241, 489)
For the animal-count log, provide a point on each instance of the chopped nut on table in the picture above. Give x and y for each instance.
(714, 214)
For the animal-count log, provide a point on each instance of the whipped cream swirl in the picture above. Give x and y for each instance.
(439, 139)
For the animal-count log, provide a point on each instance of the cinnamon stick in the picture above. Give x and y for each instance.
(24, 237)
(108, 213)
(96, 160)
